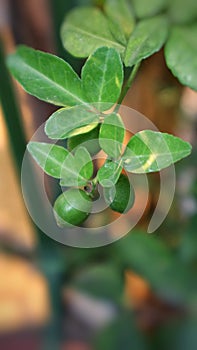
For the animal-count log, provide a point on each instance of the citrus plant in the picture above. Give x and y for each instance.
(118, 36)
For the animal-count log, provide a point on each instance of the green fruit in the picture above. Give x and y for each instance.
(88, 140)
(72, 207)
(120, 197)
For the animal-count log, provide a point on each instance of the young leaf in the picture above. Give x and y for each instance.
(181, 53)
(77, 169)
(150, 151)
(147, 38)
(84, 30)
(57, 162)
(102, 77)
(49, 157)
(46, 76)
(154, 7)
(109, 173)
(121, 14)
(67, 122)
(111, 135)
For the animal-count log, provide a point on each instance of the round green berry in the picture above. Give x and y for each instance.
(120, 197)
(72, 207)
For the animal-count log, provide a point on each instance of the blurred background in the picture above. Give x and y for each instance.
(138, 293)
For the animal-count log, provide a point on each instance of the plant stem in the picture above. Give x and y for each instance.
(127, 85)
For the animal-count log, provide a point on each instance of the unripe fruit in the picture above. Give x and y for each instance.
(72, 207)
(88, 140)
(120, 197)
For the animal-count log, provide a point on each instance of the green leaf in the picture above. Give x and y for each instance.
(67, 122)
(100, 281)
(89, 140)
(181, 11)
(49, 157)
(181, 53)
(149, 151)
(117, 32)
(85, 29)
(46, 76)
(109, 173)
(77, 169)
(153, 8)
(121, 14)
(147, 38)
(111, 135)
(57, 162)
(102, 77)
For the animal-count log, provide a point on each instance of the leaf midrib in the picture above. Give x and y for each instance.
(156, 154)
(98, 37)
(75, 126)
(135, 53)
(55, 162)
(103, 78)
(60, 87)
(39, 150)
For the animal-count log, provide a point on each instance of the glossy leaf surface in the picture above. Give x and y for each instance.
(89, 140)
(111, 135)
(57, 162)
(150, 151)
(46, 76)
(147, 38)
(102, 77)
(67, 122)
(77, 168)
(109, 173)
(49, 157)
(85, 29)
